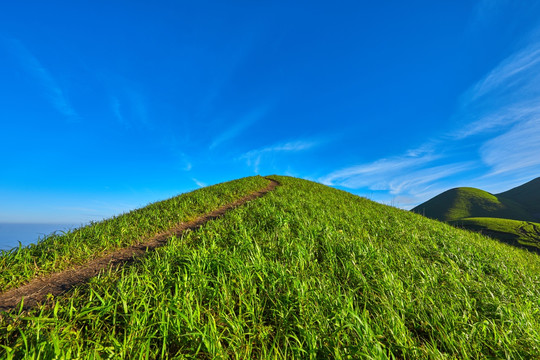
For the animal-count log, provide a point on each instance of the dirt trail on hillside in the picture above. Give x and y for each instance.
(37, 289)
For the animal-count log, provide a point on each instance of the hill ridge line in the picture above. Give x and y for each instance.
(37, 289)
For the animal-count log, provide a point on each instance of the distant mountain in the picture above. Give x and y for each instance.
(527, 195)
(479, 210)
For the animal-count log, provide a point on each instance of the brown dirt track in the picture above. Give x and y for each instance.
(37, 289)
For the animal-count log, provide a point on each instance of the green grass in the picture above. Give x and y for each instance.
(60, 251)
(514, 232)
(466, 202)
(305, 272)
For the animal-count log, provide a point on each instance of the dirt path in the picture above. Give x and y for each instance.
(37, 289)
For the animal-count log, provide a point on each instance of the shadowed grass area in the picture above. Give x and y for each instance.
(306, 271)
(513, 232)
(58, 252)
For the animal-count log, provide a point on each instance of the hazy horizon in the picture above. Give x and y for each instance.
(27, 233)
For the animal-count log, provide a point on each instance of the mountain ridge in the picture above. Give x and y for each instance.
(528, 195)
(478, 210)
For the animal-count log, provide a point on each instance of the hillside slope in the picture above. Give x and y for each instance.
(527, 195)
(306, 271)
(464, 202)
(500, 216)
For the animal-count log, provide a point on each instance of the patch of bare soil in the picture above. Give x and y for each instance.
(37, 289)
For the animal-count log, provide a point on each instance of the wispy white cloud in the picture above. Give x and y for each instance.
(128, 102)
(506, 96)
(199, 183)
(406, 176)
(419, 181)
(281, 147)
(139, 106)
(373, 173)
(176, 147)
(509, 74)
(488, 10)
(238, 127)
(53, 91)
(254, 157)
(116, 108)
(185, 161)
(498, 124)
(508, 107)
(517, 150)
(497, 119)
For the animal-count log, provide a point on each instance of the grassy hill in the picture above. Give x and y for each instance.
(306, 271)
(465, 202)
(491, 214)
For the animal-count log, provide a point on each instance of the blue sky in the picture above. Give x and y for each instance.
(106, 106)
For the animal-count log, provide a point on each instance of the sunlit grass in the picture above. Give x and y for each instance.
(304, 272)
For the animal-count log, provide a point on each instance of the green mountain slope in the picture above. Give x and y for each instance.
(464, 202)
(527, 195)
(306, 271)
(478, 210)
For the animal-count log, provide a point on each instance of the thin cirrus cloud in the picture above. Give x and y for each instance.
(509, 74)
(116, 108)
(406, 188)
(174, 147)
(499, 118)
(139, 107)
(128, 103)
(495, 120)
(407, 177)
(199, 183)
(370, 174)
(53, 92)
(237, 128)
(397, 175)
(253, 158)
(506, 96)
(420, 181)
(486, 9)
(517, 150)
(509, 98)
